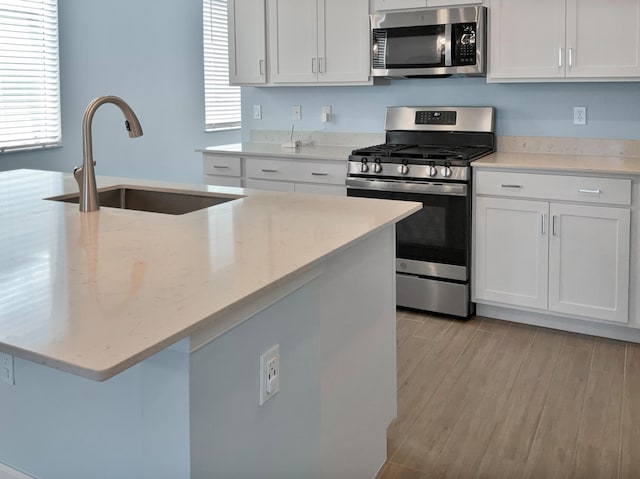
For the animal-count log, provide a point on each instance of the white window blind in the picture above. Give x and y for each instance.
(222, 101)
(29, 75)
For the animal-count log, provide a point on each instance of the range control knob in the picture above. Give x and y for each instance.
(445, 171)
(403, 169)
(364, 167)
(377, 167)
(432, 170)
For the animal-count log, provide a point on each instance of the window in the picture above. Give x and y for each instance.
(222, 101)
(29, 76)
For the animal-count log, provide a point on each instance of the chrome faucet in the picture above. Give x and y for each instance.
(85, 175)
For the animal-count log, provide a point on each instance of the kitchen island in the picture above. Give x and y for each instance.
(137, 335)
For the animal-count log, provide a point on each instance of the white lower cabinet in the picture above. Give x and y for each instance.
(571, 259)
(276, 174)
(589, 261)
(512, 251)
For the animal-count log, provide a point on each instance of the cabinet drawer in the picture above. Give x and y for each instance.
(297, 170)
(223, 180)
(321, 189)
(270, 185)
(325, 173)
(269, 169)
(583, 189)
(221, 165)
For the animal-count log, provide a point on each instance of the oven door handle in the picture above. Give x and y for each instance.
(448, 189)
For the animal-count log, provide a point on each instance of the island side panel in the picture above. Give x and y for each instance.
(56, 425)
(358, 349)
(337, 395)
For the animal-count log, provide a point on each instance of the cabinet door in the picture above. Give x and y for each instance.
(343, 43)
(589, 261)
(380, 5)
(603, 38)
(320, 189)
(293, 41)
(269, 185)
(511, 251)
(527, 39)
(247, 42)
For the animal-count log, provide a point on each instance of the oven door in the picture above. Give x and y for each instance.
(433, 242)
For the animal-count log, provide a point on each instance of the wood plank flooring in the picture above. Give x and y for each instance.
(492, 399)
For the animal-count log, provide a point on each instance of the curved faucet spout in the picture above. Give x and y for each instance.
(85, 175)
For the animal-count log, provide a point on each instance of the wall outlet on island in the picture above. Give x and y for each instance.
(269, 374)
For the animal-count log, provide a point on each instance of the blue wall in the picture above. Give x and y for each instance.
(149, 52)
(527, 109)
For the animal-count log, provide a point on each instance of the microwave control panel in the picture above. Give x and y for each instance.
(464, 44)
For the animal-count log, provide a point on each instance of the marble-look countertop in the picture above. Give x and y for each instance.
(271, 150)
(95, 293)
(556, 162)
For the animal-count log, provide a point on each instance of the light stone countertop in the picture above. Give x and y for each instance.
(271, 150)
(95, 293)
(558, 162)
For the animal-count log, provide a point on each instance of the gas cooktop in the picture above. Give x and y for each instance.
(425, 152)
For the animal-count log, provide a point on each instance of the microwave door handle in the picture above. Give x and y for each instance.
(447, 45)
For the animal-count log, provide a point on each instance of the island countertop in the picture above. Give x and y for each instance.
(95, 293)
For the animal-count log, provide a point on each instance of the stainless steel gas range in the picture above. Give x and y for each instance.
(426, 158)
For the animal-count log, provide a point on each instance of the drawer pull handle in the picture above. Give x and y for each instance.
(592, 192)
(269, 171)
(512, 186)
(221, 167)
(319, 174)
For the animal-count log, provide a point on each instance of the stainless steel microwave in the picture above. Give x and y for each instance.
(428, 43)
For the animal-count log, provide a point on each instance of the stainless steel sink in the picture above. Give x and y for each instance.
(172, 202)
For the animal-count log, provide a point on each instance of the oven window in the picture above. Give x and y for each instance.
(438, 233)
(415, 47)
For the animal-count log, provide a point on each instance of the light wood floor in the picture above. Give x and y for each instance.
(492, 399)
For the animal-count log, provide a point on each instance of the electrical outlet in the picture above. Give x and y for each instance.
(326, 114)
(257, 112)
(579, 115)
(297, 113)
(269, 374)
(6, 369)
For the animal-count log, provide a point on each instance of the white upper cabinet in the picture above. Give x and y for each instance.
(247, 42)
(313, 41)
(526, 38)
(564, 40)
(603, 38)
